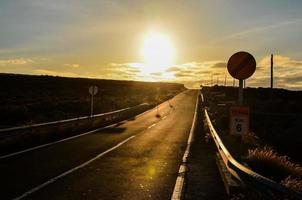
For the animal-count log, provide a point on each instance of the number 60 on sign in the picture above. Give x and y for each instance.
(239, 120)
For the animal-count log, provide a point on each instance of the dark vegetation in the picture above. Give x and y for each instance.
(26, 99)
(272, 148)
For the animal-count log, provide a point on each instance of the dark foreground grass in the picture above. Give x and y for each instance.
(268, 162)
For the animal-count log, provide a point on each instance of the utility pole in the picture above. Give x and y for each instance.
(272, 74)
(211, 79)
(225, 80)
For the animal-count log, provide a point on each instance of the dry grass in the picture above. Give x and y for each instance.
(268, 163)
(251, 140)
(293, 183)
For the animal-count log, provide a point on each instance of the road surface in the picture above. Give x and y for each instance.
(135, 159)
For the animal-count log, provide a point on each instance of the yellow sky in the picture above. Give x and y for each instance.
(104, 39)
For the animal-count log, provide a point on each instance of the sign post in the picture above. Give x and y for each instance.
(241, 66)
(240, 92)
(93, 90)
(157, 101)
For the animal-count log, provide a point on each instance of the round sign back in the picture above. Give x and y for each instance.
(241, 65)
(93, 90)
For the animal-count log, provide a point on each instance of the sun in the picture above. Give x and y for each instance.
(157, 51)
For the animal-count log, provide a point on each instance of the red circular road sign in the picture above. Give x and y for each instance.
(241, 65)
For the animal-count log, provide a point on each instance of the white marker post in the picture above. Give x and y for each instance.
(93, 90)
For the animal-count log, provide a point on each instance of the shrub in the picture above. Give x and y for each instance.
(268, 163)
(293, 183)
(251, 140)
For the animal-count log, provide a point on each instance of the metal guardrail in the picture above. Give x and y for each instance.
(58, 129)
(265, 187)
(113, 113)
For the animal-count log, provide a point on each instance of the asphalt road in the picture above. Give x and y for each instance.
(142, 165)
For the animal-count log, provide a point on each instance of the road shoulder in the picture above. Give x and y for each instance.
(203, 180)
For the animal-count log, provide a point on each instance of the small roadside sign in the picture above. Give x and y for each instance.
(93, 90)
(239, 120)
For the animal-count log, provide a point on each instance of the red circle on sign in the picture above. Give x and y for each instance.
(241, 65)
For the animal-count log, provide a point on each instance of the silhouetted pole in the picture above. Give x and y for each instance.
(91, 107)
(233, 82)
(240, 95)
(272, 74)
(225, 80)
(211, 79)
(157, 100)
(93, 90)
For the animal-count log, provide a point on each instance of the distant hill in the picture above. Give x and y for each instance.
(26, 99)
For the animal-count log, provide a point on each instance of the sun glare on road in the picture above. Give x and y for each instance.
(158, 52)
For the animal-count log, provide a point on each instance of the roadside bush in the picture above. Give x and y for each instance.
(293, 183)
(251, 140)
(268, 163)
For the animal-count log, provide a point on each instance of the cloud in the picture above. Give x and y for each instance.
(259, 29)
(17, 61)
(124, 71)
(193, 71)
(173, 69)
(280, 62)
(72, 65)
(287, 73)
(54, 73)
(156, 73)
(124, 67)
(220, 65)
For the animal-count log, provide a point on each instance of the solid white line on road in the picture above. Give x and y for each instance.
(73, 137)
(51, 143)
(35, 189)
(179, 185)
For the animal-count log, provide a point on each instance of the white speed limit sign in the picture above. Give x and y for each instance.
(239, 120)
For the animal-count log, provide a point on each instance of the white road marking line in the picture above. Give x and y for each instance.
(179, 185)
(73, 137)
(51, 143)
(151, 126)
(37, 188)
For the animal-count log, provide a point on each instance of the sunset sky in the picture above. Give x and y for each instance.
(115, 39)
